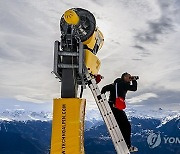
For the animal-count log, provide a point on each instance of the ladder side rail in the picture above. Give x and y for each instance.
(107, 122)
(101, 103)
(116, 127)
(110, 122)
(113, 122)
(95, 94)
(113, 129)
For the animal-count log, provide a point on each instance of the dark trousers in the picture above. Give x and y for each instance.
(124, 125)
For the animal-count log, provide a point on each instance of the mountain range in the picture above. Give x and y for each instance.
(27, 132)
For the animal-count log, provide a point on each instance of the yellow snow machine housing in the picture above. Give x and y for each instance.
(76, 52)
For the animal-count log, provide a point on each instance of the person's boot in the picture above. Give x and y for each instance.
(133, 149)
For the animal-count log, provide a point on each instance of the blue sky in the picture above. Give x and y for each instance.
(141, 37)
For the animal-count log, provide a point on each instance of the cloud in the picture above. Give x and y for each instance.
(155, 99)
(141, 98)
(161, 25)
(28, 99)
(156, 28)
(139, 37)
(139, 47)
(11, 104)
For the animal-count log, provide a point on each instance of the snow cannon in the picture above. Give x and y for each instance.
(76, 51)
(76, 64)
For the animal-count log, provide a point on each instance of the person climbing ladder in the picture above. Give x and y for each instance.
(118, 90)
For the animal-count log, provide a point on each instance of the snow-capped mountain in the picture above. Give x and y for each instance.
(139, 113)
(160, 114)
(149, 113)
(23, 115)
(33, 135)
(163, 115)
(92, 115)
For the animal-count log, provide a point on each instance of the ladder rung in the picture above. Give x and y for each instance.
(68, 53)
(67, 66)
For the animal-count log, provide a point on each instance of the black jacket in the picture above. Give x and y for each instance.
(122, 88)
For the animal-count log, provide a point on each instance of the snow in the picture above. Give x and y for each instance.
(163, 115)
(152, 114)
(22, 115)
(142, 113)
(92, 115)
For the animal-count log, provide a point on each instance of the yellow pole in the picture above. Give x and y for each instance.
(68, 126)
